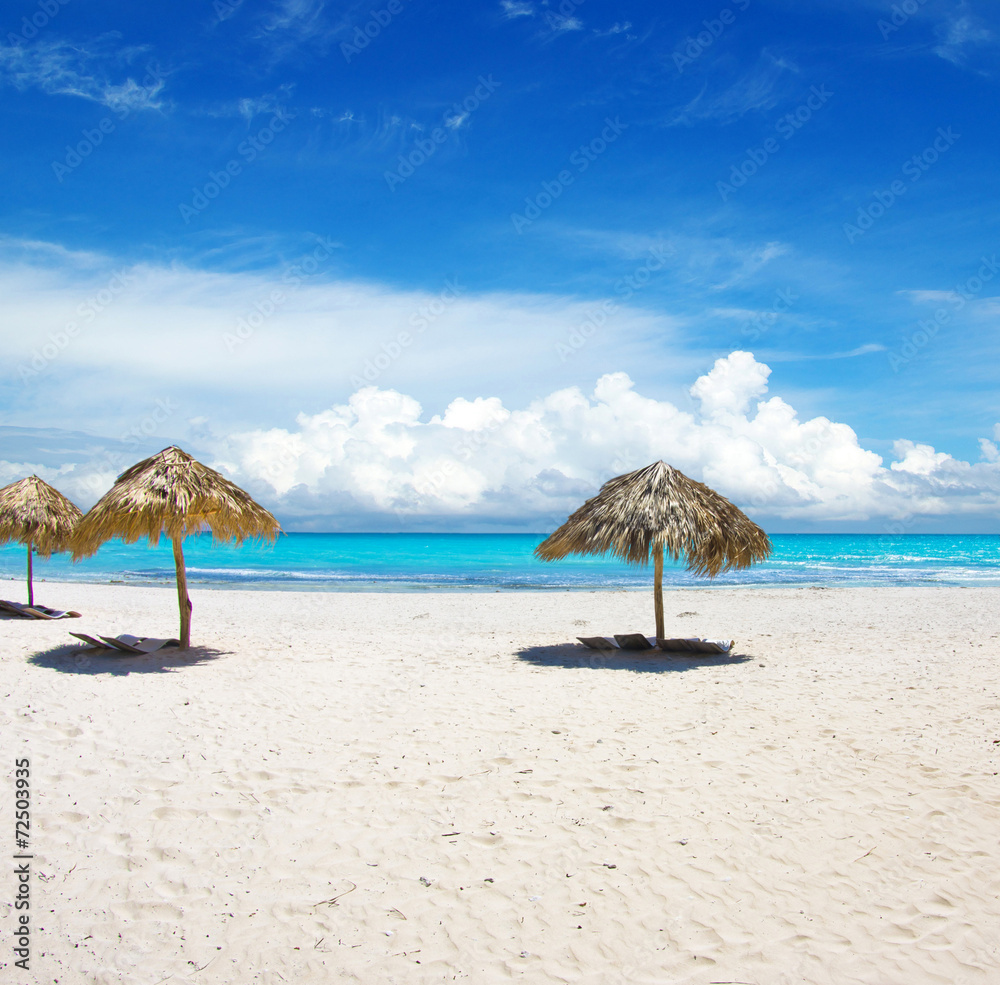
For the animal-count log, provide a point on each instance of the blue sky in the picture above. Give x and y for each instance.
(811, 184)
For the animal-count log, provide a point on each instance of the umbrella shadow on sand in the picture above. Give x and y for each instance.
(68, 658)
(574, 656)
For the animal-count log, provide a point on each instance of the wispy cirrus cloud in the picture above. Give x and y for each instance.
(250, 107)
(19, 251)
(289, 27)
(514, 8)
(303, 16)
(619, 27)
(85, 70)
(954, 298)
(267, 103)
(457, 121)
(869, 348)
(961, 32)
(553, 23)
(861, 350)
(925, 297)
(556, 22)
(748, 261)
(713, 262)
(559, 24)
(758, 90)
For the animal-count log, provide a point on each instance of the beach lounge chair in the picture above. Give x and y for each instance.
(633, 641)
(126, 643)
(697, 645)
(36, 611)
(636, 641)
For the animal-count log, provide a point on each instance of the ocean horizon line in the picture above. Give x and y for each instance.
(542, 534)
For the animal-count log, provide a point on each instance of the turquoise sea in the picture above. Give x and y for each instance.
(487, 562)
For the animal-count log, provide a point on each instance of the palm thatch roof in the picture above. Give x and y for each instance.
(33, 513)
(172, 494)
(658, 506)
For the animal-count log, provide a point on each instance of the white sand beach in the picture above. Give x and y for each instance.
(425, 788)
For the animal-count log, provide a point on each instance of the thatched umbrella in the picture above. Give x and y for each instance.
(171, 493)
(659, 509)
(35, 514)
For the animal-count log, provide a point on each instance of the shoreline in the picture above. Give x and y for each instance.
(362, 587)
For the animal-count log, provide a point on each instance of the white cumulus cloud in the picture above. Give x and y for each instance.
(379, 461)
(378, 454)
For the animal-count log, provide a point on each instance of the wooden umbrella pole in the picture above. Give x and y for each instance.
(31, 588)
(183, 602)
(658, 589)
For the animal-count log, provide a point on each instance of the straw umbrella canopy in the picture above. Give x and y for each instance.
(172, 494)
(655, 510)
(35, 514)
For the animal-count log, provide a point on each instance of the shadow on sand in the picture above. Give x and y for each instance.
(642, 662)
(70, 658)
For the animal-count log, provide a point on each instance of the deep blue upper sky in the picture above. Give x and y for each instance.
(183, 88)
